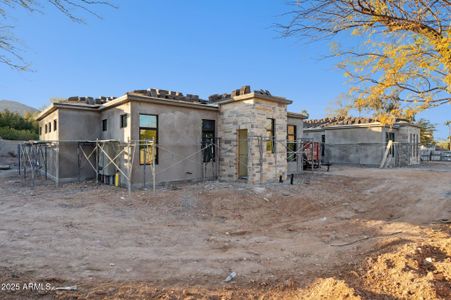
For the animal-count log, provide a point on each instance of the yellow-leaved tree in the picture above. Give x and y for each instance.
(402, 62)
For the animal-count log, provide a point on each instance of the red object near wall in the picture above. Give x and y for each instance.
(308, 146)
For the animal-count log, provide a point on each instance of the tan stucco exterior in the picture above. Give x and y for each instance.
(365, 144)
(179, 136)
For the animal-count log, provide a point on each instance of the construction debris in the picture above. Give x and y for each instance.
(90, 100)
(173, 95)
(231, 277)
(66, 288)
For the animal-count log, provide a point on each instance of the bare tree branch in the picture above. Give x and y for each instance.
(73, 9)
(404, 64)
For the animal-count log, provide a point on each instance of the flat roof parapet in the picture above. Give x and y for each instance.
(89, 100)
(167, 94)
(244, 90)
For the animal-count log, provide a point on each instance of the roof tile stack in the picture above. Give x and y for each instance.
(166, 94)
(90, 100)
(245, 89)
(320, 123)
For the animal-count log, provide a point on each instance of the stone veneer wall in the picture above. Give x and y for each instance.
(252, 115)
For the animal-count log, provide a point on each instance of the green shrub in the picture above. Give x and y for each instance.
(8, 133)
(16, 127)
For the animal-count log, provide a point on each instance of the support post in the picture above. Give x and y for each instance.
(297, 156)
(24, 163)
(154, 151)
(129, 185)
(32, 159)
(57, 171)
(79, 162)
(18, 158)
(218, 155)
(312, 159)
(146, 154)
(97, 161)
(45, 162)
(260, 149)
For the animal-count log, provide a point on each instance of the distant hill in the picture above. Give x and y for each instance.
(17, 107)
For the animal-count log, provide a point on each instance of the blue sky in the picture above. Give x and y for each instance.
(198, 46)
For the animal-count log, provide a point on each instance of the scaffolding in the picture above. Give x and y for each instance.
(372, 154)
(110, 154)
(112, 161)
(32, 160)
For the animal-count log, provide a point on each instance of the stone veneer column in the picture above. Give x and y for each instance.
(252, 114)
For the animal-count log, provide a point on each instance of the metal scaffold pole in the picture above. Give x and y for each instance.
(261, 158)
(97, 161)
(154, 157)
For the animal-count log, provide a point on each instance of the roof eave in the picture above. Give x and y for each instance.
(172, 102)
(296, 115)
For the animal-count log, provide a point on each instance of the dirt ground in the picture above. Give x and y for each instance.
(351, 233)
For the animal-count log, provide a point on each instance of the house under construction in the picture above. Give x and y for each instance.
(156, 136)
(365, 141)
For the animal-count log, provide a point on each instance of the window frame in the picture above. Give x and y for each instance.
(203, 143)
(45, 128)
(50, 127)
(104, 125)
(157, 137)
(55, 126)
(294, 134)
(271, 135)
(123, 121)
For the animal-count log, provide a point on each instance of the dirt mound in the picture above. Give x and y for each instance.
(414, 271)
(348, 234)
(329, 289)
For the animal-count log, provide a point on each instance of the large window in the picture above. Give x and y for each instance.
(291, 143)
(148, 131)
(104, 125)
(270, 134)
(124, 119)
(54, 125)
(208, 140)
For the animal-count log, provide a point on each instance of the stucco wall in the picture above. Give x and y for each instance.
(360, 145)
(72, 125)
(179, 139)
(7, 147)
(365, 145)
(113, 117)
(408, 149)
(179, 142)
(52, 135)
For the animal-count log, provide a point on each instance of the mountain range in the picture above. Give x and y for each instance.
(17, 107)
